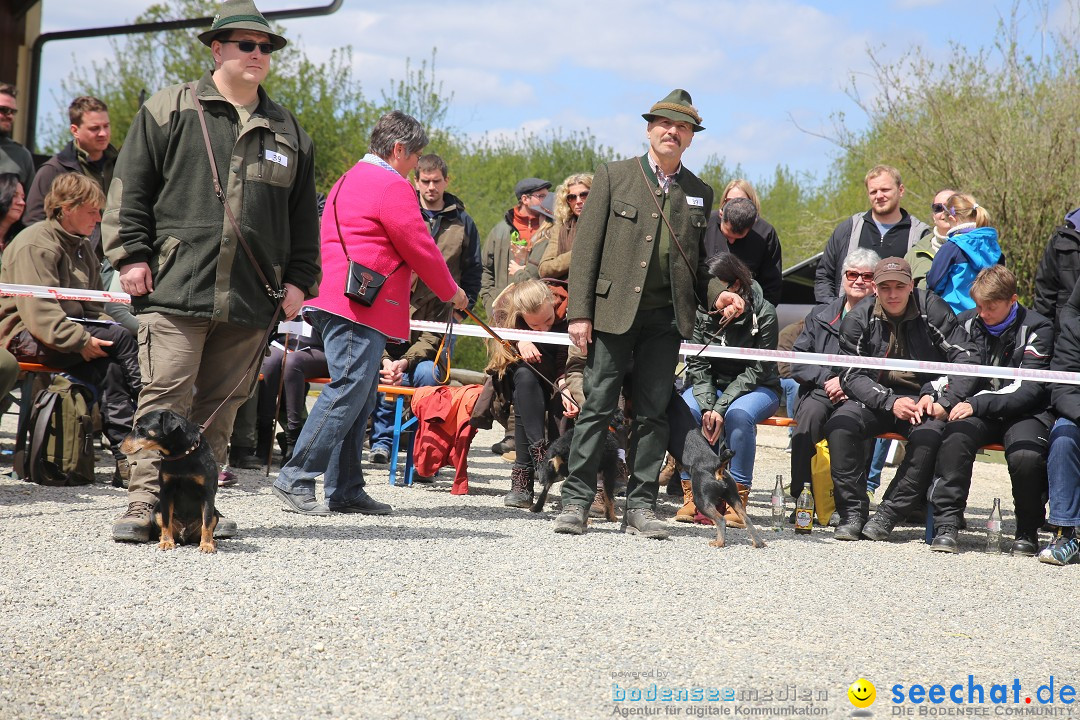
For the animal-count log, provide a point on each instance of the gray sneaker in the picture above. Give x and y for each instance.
(643, 521)
(303, 504)
(362, 504)
(134, 525)
(225, 528)
(572, 520)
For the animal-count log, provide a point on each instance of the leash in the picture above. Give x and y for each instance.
(509, 347)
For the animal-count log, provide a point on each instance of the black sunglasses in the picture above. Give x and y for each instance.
(940, 208)
(8, 111)
(247, 46)
(573, 198)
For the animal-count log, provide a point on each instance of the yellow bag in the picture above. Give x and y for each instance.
(821, 483)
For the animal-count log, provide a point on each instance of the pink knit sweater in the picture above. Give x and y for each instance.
(383, 229)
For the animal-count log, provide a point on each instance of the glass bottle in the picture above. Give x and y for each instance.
(804, 513)
(778, 505)
(993, 528)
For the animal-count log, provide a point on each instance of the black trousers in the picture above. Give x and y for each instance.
(848, 429)
(1026, 444)
(299, 366)
(813, 410)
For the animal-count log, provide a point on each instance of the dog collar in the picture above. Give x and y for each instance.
(193, 448)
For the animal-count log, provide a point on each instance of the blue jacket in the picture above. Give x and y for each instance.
(958, 262)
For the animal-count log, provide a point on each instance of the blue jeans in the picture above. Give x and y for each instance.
(382, 425)
(1063, 471)
(877, 464)
(332, 440)
(740, 427)
(790, 389)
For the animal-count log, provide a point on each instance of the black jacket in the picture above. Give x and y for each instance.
(821, 334)
(896, 243)
(1028, 344)
(928, 332)
(760, 250)
(65, 161)
(1058, 272)
(1066, 398)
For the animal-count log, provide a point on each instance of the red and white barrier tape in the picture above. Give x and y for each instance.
(51, 293)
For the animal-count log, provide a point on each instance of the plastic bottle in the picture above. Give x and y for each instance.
(993, 528)
(519, 251)
(778, 505)
(804, 513)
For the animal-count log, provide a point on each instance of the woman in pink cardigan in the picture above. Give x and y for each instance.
(378, 215)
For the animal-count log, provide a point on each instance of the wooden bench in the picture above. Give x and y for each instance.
(399, 393)
(781, 421)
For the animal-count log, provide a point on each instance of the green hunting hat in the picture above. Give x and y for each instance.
(240, 15)
(676, 106)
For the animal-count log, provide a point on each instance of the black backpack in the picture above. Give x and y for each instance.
(62, 422)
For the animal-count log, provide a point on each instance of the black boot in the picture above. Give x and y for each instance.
(521, 487)
(287, 442)
(264, 439)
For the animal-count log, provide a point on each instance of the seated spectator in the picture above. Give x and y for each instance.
(529, 305)
(305, 359)
(569, 202)
(921, 256)
(1063, 466)
(1006, 334)
(971, 246)
(819, 385)
(730, 397)
(755, 242)
(72, 335)
(12, 205)
(1059, 269)
(901, 323)
(788, 385)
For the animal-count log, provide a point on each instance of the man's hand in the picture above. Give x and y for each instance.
(834, 391)
(135, 279)
(904, 408)
(580, 332)
(95, 349)
(392, 371)
(570, 406)
(929, 408)
(528, 351)
(460, 301)
(712, 423)
(730, 304)
(515, 268)
(961, 411)
(292, 302)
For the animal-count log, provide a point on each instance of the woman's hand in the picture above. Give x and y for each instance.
(392, 371)
(460, 301)
(730, 304)
(95, 349)
(712, 424)
(529, 352)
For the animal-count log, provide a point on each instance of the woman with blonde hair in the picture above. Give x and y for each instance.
(569, 202)
(972, 245)
(529, 305)
(737, 227)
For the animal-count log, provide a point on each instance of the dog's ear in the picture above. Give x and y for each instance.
(171, 423)
(725, 455)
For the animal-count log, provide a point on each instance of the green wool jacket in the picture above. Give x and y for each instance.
(614, 240)
(162, 208)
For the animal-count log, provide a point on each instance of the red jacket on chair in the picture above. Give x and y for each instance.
(443, 431)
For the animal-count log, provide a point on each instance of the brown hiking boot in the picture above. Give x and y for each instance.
(732, 517)
(598, 509)
(134, 524)
(122, 475)
(669, 476)
(688, 510)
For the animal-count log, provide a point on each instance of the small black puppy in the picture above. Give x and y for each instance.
(709, 476)
(189, 472)
(556, 468)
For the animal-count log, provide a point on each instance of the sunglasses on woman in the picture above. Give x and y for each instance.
(573, 198)
(853, 275)
(247, 46)
(941, 208)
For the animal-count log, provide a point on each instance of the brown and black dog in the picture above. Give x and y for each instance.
(185, 509)
(556, 468)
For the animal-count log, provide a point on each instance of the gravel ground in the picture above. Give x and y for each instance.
(456, 607)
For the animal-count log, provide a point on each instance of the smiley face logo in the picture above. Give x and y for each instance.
(862, 693)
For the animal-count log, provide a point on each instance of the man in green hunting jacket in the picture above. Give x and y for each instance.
(633, 295)
(201, 306)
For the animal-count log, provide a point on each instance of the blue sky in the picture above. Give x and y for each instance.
(758, 70)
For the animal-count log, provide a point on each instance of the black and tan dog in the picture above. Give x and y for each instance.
(712, 483)
(556, 468)
(185, 509)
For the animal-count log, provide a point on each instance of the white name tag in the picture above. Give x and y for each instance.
(283, 161)
(695, 201)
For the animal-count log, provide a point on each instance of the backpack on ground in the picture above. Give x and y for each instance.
(62, 422)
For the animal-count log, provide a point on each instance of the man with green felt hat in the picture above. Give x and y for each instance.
(636, 282)
(212, 223)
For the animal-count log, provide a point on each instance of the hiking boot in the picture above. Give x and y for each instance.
(572, 520)
(1025, 544)
(643, 521)
(669, 477)
(849, 528)
(122, 475)
(298, 503)
(1062, 550)
(944, 539)
(879, 527)
(379, 455)
(598, 509)
(134, 525)
(362, 504)
(503, 446)
(244, 458)
(689, 509)
(730, 516)
(521, 487)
